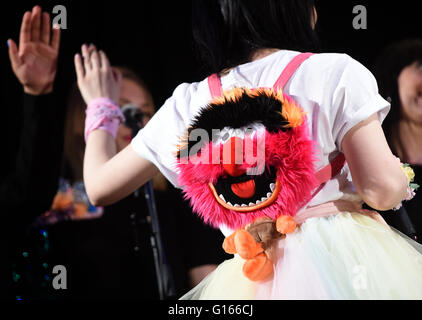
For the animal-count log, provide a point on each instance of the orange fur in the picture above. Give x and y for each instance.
(291, 112)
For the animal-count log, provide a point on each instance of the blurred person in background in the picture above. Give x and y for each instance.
(107, 250)
(398, 70)
(29, 176)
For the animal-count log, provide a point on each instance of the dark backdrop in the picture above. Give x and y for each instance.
(154, 37)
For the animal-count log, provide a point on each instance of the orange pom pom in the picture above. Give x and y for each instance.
(228, 244)
(245, 244)
(285, 224)
(258, 268)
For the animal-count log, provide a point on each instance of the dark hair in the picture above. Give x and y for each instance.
(227, 31)
(387, 69)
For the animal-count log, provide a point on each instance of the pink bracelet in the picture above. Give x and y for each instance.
(103, 114)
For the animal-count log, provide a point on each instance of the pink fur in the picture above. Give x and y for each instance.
(292, 153)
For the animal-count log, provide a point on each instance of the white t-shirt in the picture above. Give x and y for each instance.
(336, 91)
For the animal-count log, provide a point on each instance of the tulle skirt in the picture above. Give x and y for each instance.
(343, 256)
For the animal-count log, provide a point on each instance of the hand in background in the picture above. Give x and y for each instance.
(35, 61)
(96, 78)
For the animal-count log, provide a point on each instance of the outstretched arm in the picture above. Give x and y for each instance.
(109, 176)
(34, 178)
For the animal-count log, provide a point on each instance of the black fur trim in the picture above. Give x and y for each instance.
(241, 113)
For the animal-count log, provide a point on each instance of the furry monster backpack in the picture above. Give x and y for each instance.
(252, 168)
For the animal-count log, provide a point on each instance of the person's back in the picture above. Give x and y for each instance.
(322, 86)
(312, 253)
(227, 39)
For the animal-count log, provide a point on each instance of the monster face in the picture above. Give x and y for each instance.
(253, 159)
(246, 184)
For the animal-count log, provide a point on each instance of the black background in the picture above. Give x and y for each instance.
(155, 38)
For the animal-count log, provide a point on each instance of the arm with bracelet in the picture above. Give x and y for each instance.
(109, 176)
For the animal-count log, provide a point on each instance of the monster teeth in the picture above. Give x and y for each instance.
(272, 187)
(269, 195)
(263, 199)
(222, 197)
(243, 205)
(236, 205)
(258, 201)
(251, 204)
(229, 204)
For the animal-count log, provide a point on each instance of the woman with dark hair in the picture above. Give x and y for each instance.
(399, 74)
(229, 33)
(332, 248)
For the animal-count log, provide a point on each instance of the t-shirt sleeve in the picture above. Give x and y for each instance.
(355, 98)
(158, 140)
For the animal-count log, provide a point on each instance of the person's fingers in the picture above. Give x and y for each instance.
(91, 48)
(25, 33)
(86, 56)
(116, 76)
(45, 29)
(55, 38)
(105, 63)
(35, 23)
(84, 50)
(13, 54)
(95, 60)
(79, 68)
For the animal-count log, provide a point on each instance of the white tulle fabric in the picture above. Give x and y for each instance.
(348, 255)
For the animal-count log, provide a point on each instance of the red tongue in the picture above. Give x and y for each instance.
(244, 189)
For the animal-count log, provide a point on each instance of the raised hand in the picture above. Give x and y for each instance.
(96, 78)
(35, 61)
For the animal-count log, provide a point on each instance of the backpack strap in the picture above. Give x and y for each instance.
(290, 69)
(329, 171)
(214, 83)
(332, 169)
